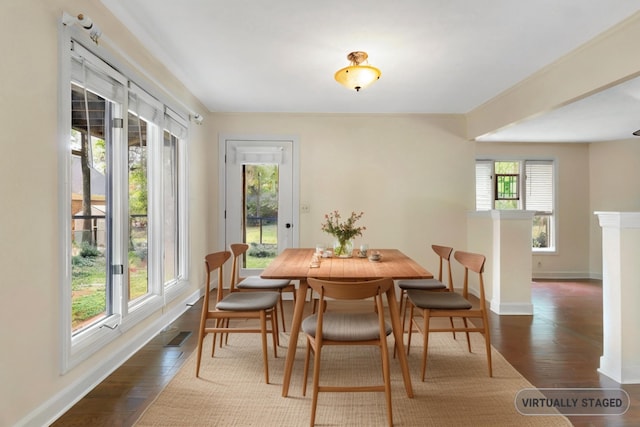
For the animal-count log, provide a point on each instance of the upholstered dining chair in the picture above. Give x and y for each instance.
(452, 305)
(236, 305)
(347, 328)
(257, 283)
(444, 255)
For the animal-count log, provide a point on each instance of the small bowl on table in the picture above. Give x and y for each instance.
(375, 256)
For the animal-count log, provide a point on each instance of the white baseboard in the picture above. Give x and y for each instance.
(623, 373)
(511, 309)
(566, 275)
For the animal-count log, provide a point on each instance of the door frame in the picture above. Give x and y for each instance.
(222, 185)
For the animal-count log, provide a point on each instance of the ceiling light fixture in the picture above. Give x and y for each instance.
(357, 76)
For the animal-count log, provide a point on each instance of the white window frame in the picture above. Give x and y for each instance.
(76, 348)
(485, 191)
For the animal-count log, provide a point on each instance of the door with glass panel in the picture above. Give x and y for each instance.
(259, 199)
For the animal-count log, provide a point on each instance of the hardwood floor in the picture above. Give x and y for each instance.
(560, 346)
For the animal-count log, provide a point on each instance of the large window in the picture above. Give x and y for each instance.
(520, 184)
(124, 237)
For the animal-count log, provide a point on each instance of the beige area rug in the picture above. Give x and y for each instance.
(231, 390)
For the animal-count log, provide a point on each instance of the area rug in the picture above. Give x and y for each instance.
(231, 389)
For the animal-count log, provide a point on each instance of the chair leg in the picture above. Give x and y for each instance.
(403, 306)
(263, 333)
(284, 327)
(305, 376)
(201, 336)
(226, 334)
(487, 341)
(219, 324)
(316, 386)
(274, 335)
(410, 331)
(464, 319)
(403, 297)
(425, 332)
(386, 374)
(403, 302)
(453, 330)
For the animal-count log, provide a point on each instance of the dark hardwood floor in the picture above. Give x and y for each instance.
(559, 347)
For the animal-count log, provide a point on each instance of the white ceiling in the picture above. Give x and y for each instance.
(436, 56)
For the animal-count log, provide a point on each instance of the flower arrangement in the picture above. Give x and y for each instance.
(343, 231)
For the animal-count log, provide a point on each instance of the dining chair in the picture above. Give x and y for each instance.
(444, 255)
(452, 305)
(236, 305)
(347, 328)
(257, 283)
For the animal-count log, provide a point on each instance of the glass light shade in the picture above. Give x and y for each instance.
(357, 76)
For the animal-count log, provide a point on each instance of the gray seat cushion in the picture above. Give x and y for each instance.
(248, 301)
(427, 284)
(346, 326)
(438, 300)
(257, 282)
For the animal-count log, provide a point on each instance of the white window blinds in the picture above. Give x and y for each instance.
(144, 105)
(94, 75)
(175, 124)
(539, 186)
(484, 191)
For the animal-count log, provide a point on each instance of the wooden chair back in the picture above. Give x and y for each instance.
(350, 290)
(444, 254)
(213, 262)
(237, 250)
(475, 263)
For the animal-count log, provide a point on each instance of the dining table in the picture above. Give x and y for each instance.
(303, 263)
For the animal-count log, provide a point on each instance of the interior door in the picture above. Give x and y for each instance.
(259, 199)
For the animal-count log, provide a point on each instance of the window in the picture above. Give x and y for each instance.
(172, 193)
(520, 184)
(123, 188)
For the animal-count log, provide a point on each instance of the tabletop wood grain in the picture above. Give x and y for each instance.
(295, 263)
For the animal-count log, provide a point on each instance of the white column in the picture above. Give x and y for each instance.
(620, 296)
(504, 237)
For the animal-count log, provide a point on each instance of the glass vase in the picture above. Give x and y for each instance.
(343, 248)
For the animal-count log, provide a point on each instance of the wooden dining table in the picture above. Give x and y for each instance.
(296, 264)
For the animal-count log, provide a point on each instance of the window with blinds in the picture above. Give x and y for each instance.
(520, 184)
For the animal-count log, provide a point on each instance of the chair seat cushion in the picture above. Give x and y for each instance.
(438, 300)
(346, 326)
(428, 284)
(248, 301)
(257, 282)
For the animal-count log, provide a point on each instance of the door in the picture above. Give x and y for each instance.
(259, 199)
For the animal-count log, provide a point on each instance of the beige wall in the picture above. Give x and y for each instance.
(614, 182)
(412, 175)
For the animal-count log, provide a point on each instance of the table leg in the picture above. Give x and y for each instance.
(399, 336)
(301, 297)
